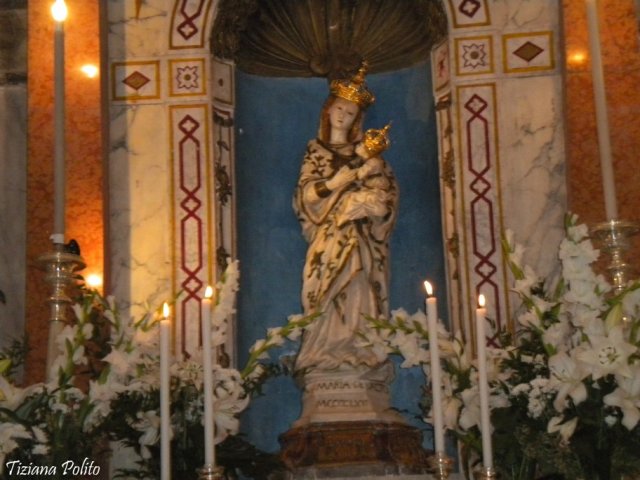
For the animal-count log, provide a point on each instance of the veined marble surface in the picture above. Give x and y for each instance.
(139, 206)
(140, 33)
(533, 186)
(160, 160)
(505, 84)
(13, 192)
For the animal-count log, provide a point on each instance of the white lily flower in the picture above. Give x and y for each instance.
(577, 232)
(631, 303)
(409, 348)
(258, 345)
(584, 292)
(87, 330)
(450, 412)
(148, 423)
(608, 354)
(420, 318)
(274, 336)
(10, 395)
(67, 334)
(581, 250)
(564, 428)
(146, 337)
(530, 319)
(295, 334)
(556, 335)
(470, 415)
(121, 362)
(398, 313)
(588, 320)
(229, 400)
(523, 286)
(567, 378)
(627, 398)
(517, 253)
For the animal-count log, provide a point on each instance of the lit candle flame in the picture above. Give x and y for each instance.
(428, 288)
(208, 292)
(59, 11)
(481, 301)
(165, 310)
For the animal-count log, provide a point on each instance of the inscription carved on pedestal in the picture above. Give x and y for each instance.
(347, 385)
(348, 398)
(342, 402)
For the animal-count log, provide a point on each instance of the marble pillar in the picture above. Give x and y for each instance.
(498, 84)
(13, 201)
(13, 174)
(166, 230)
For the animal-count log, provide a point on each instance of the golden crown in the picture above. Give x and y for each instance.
(354, 90)
(376, 141)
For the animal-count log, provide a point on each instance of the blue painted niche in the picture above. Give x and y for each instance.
(275, 118)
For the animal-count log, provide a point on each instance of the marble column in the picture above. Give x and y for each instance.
(498, 85)
(13, 196)
(171, 149)
(13, 174)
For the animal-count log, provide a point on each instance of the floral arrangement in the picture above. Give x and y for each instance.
(564, 387)
(106, 393)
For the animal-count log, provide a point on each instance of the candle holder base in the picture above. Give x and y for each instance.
(441, 465)
(614, 237)
(210, 472)
(60, 268)
(487, 473)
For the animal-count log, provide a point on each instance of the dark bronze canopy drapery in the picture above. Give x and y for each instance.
(326, 38)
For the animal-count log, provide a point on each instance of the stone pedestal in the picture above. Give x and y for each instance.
(348, 394)
(359, 449)
(348, 429)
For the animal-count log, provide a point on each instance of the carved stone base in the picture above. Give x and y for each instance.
(353, 449)
(348, 394)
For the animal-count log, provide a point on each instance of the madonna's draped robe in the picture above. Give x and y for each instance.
(346, 272)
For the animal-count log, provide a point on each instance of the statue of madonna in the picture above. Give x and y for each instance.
(347, 225)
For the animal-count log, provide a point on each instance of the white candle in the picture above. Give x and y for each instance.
(483, 385)
(165, 398)
(602, 122)
(209, 432)
(59, 12)
(436, 382)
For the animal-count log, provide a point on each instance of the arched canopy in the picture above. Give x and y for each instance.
(326, 38)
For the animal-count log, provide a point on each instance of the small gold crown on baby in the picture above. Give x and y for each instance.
(377, 140)
(354, 90)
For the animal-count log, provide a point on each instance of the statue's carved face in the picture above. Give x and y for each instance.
(342, 114)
